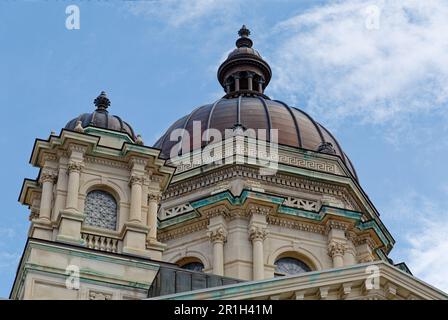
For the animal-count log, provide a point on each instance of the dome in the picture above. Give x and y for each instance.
(244, 76)
(101, 118)
(295, 127)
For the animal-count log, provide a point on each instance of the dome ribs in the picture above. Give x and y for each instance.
(299, 138)
(210, 114)
(314, 123)
(268, 117)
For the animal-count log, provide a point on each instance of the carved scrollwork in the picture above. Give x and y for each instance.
(75, 166)
(336, 248)
(217, 235)
(48, 176)
(135, 179)
(155, 196)
(257, 233)
(255, 209)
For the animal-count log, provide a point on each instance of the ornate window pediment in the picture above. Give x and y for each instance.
(101, 210)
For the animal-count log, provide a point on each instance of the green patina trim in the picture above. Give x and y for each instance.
(94, 256)
(324, 210)
(178, 219)
(119, 135)
(372, 224)
(381, 254)
(248, 287)
(62, 274)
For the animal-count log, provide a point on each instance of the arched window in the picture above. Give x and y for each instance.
(101, 210)
(191, 263)
(193, 266)
(288, 266)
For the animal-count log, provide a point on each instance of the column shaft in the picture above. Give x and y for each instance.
(258, 265)
(152, 218)
(46, 199)
(73, 186)
(135, 212)
(218, 258)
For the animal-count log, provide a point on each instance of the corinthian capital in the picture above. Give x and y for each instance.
(135, 179)
(217, 235)
(336, 248)
(155, 196)
(74, 166)
(48, 176)
(257, 233)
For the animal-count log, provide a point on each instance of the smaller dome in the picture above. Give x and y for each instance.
(101, 118)
(244, 50)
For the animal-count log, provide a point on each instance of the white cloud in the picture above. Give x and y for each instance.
(423, 243)
(328, 60)
(181, 12)
(428, 255)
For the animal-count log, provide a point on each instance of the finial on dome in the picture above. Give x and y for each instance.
(244, 32)
(102, 102)
(244, 40)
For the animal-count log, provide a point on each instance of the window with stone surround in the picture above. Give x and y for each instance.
(101, 210)
(289, 266)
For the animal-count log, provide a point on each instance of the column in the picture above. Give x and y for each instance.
(153, 206)
(250, 76)
(74, 169)
(260, 85)
(47, 179)
(71, 217)
(337, 241)
(257, 235)
(237, 81)
(135, 212)
(218, 237)
(336, 251)
(228, 86)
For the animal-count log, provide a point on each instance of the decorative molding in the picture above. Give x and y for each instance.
(135, 179)
(107, 162)
(97, 295)
(175, 211)
(336, 224)
(217, 235)
(154, 196)
(365, 239)
(182, 231)
(297, 225)
(258, 209)
(48, 176)
(217, 211)
(251, 175)
(257, 233)
(77, 148)
(49, 157)
(75, 166)
(336, 248)
(138, 161)
(298, 203)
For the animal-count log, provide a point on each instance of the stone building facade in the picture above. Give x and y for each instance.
(272, 211)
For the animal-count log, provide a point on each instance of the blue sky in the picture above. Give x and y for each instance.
(382, 91)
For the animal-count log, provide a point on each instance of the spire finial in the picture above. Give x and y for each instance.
(102, 102)
(244, 32)
(244, 40)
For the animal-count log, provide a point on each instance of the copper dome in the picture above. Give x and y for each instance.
(101, 118)
(244, 75)
(295, 127)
